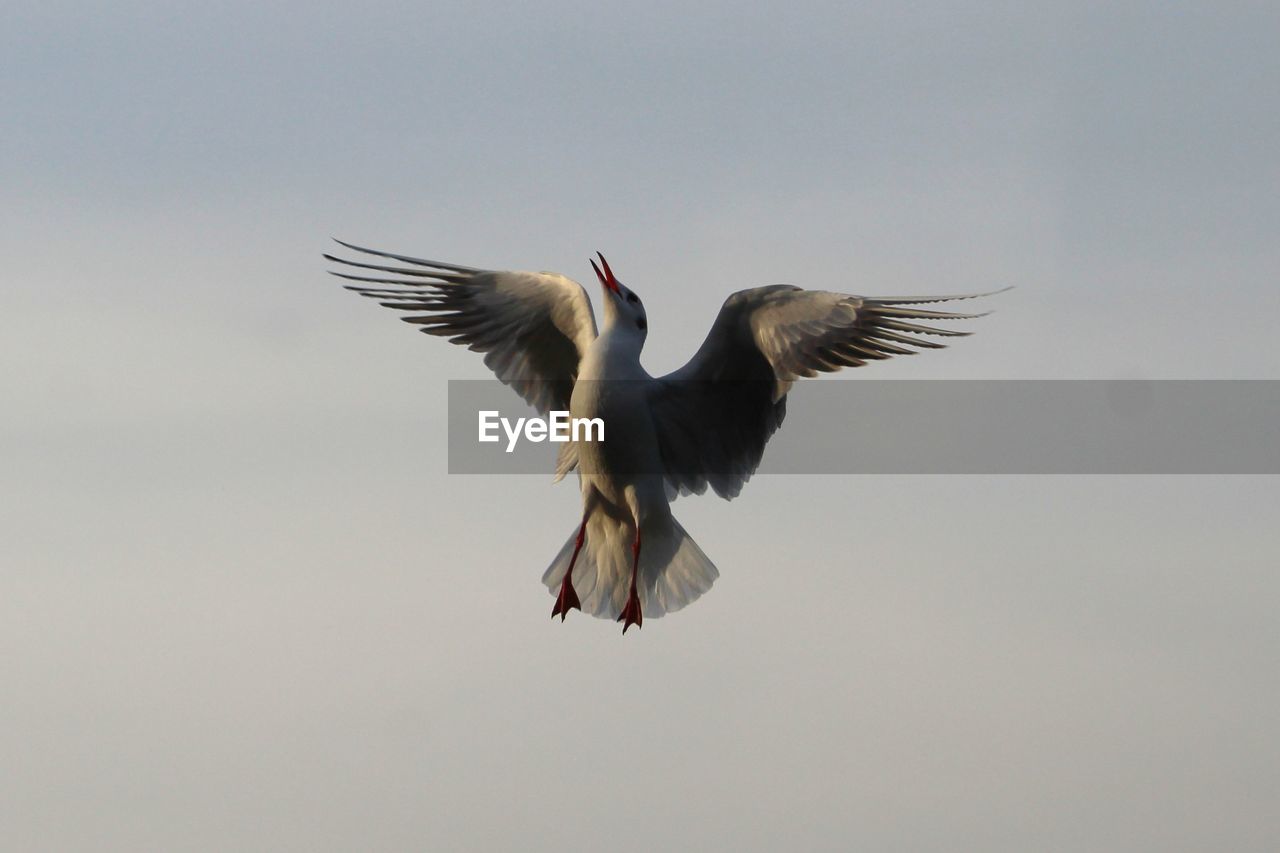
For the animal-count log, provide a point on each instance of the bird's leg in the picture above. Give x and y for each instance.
(568, 599)
(631, 614)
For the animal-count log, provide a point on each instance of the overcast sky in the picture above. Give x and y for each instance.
(242, 605)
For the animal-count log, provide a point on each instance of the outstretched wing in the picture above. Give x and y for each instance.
(715, 414)
(532, 327)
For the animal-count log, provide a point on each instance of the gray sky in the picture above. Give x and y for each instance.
(243, 607)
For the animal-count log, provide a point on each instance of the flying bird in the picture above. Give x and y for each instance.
(705, 425)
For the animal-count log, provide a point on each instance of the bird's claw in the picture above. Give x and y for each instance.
(631, 614)
(567, 600)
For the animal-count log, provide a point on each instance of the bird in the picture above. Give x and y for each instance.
(703, 426)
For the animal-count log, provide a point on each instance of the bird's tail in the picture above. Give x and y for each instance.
(673, 570)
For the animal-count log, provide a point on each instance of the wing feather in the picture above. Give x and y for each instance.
(715, 415)
(533, 328)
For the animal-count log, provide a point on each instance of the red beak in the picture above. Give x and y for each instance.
(607, 279)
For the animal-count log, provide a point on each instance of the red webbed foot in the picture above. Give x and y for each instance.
(631, 614)
(567, 600)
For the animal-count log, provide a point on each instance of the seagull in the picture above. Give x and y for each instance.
(705, 425)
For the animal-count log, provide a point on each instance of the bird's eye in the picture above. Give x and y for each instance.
(631, 297)
(641, 324)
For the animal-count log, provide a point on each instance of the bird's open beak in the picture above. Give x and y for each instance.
(607, 279)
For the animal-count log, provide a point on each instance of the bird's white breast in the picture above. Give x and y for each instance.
(614, 387)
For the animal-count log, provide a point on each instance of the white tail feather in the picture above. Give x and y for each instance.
(673, 570)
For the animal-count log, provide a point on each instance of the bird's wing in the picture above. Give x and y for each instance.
(715, 415)
(532, 327)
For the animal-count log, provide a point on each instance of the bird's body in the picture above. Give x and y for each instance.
(704, 425)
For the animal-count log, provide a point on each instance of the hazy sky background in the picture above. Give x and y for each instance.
(242, 607)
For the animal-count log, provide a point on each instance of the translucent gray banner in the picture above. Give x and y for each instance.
(951, 427)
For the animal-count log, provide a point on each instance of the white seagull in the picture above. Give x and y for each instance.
(704, 425)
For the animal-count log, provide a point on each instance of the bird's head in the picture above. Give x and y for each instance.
(623, 310)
